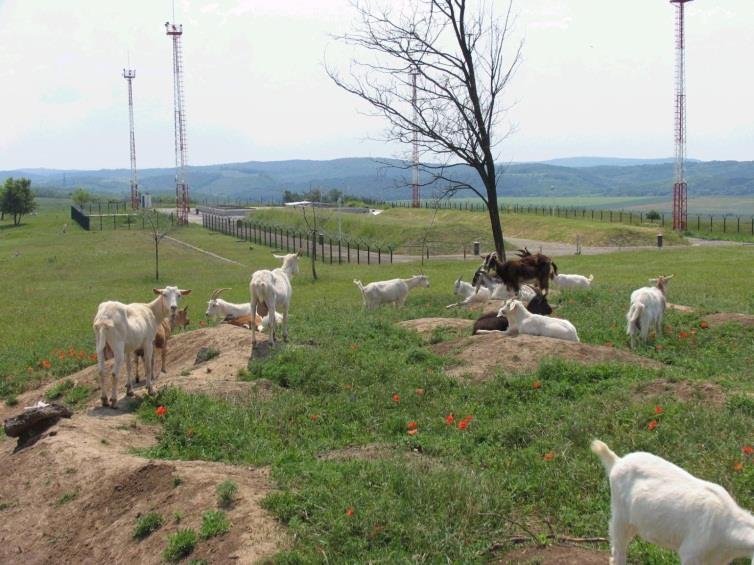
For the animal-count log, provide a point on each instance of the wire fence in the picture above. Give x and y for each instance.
(95, 218)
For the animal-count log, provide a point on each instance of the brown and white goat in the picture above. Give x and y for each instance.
(164, 331)
(529, 267)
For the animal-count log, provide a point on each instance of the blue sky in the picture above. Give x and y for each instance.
(596, 79)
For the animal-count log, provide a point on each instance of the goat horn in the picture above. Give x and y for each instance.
(217, 292)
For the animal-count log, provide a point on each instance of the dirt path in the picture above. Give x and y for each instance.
(75, 495)
(200, 250)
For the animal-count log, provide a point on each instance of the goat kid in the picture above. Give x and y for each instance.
(270, 290)
(520, 320)
(666, 505)
(647, 308)
(126, 328)
(393, 291)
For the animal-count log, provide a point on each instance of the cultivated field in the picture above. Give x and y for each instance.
(337, 477)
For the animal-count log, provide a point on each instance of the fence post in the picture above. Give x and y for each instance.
(330, 241)
(348, 245)
(339, 256)
(369, 259)
(738, 224)
(379, 255)
(710, 223)
(391, 249)
(358, 255)
(724, 222)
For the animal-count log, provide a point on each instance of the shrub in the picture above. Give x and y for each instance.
(180, 544)
(652, 215)
(214, 523)
(145, 525)
(226, 492)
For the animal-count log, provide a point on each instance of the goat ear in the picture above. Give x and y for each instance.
(278, 256)
(157, 290)
(185, 292)
(668, 277)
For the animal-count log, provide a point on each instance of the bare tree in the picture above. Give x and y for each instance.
(157, 236)
(458, 51)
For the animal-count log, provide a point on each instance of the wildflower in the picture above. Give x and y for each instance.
(412, 432)
(463, 424)
(738, 467)
(61, 356)
(348, 386)
(747, 449)
(652, 425)
(411, 425)
(354, 346)
(72, 352)
(92, 357)
(703, 325)
(608, 344)
(29, 370)
(449, 419)
(314, 417)
(683, 335)
(161, 411)
(549, 456)
(658, 410)
(396, 397)
(190, 432)
(202, 323)
(349, 511)
(536, 384)
(658, 347)
(419, 392)
(46, 364)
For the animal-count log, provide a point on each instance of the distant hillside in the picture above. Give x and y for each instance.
(255, 180)
(606, 162)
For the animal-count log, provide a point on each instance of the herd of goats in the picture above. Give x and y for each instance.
(650, 496)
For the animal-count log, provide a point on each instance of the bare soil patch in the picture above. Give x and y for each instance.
(75, 495)
(555, 555)
(685, 391)
(482, 356)
(426, 326)
(746, 320)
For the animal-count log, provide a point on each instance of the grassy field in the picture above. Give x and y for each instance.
(447, 231)
(444, 493)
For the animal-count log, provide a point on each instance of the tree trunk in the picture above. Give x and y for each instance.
(156, 259)
(314, 254)
(16, 219)
(497, 229)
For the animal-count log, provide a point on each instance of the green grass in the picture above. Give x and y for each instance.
(443, 494)
(67, 497)
(226, 493)
(147, 524)
(180, 545)
(214, 523)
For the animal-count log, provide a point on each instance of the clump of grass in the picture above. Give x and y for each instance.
(198, 562)
(11, 401)
(185, 373)
(145, 525)
(214, 523)
(67, 497)
(226, 493)
(177, 516)
(59, 389)
(177, 481)
(77, 395)
(180, 544)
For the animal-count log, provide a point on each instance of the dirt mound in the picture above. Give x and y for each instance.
(482, 356)
(746, 320)
(75, 496)
(555, 555)
(685, 391)
(425, 326)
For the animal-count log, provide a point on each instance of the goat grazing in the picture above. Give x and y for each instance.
(164, 331)
(647, 309)
(572, 281)
(492, 322)
(514, 272)
(520, 320)
(270, 290)
(126, 328)
(666, 505)
(393, 291)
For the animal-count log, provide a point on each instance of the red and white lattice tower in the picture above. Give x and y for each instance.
(680, 203)
(181, 146)
(129, 75)
(415, 195)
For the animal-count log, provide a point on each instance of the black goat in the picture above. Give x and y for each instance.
(530, 266)
(491, 321)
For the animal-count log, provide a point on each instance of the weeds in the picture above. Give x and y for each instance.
(147, 524)
(214, 523)
(180, 545)
(226, 493)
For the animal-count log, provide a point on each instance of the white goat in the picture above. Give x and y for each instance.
(647, 309)
(270, 290)
(572, 281)
(666, 505)
(520, 320)
(126, 328)
(394, 291)
(477, 294)
(219, 308)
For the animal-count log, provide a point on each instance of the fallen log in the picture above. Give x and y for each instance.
(32, 419)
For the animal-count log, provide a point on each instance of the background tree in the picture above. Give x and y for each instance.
(457, 49)
(80, 197)
(17, 199)
(157, 236)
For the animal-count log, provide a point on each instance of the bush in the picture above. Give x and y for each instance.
(226, 492)
(180, 544)
(214, 523)
(653, 215)
(145, 525)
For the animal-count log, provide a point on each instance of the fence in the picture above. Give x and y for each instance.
(324, 248)
(703, 223)
(96, 219)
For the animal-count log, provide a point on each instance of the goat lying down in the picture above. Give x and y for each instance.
(666, 505)
(492, 322)
(486, 289)
(244, 321)
(520, 320)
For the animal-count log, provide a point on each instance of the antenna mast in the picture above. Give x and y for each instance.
(181, 147)
(680, 202)
(129, 75)
(415, 196)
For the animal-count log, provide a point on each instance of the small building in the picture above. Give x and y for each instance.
(146, 200)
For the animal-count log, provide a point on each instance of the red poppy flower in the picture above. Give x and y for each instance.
(549, 456)
(658, 410)
(92, 357)
(652, 425)
(449, 419)
(747, 449)
(683, 335)
(202, 323)
(314, 417)
(46, 364)
(411, 425)
(658, 347)
(419, 392)
(463, 424)
(349, 511)
(703, 325)
(161, 411)
(536, 384)
(738, 467)
(412, 432)
(190, 432)
(354, 346)
(396, 397)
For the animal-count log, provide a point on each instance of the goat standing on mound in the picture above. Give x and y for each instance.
(394, 291)
(271, 290)
(126, 328)
(666, 505)
(647, 309)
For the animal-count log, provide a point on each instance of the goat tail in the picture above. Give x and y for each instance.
(357, 282)
(633, 316)
(100, 330)
(590, 278)
(608, 458)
